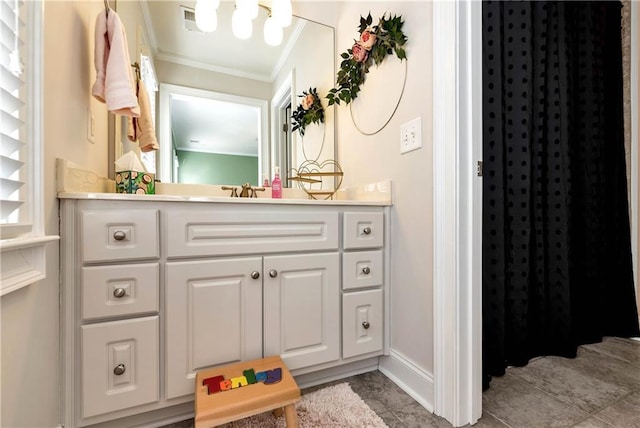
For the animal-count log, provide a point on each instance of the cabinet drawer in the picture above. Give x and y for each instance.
(119, 235)
(226, 233)
(363, 230)
(361, 323)
(109, 291)
(361, 269)
(120, 365)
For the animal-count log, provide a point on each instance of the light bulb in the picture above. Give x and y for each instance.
(282, 12)
(206, 16)
(241, 25)
(248, 7)
(272, 32)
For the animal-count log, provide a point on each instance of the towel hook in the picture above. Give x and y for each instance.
(106, 7)
(136, 67)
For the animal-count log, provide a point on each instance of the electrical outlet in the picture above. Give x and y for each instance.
(411, 135)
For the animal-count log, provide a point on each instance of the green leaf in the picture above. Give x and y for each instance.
(351, 74)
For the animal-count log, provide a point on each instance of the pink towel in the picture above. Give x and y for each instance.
(114, 81)
(141, 128)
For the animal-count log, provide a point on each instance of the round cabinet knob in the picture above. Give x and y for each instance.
(366, 230)
(119, 292)
(119, 235)
(273, 273)
(119, 369)
(366, 325)
(255, 274)
(366, 270)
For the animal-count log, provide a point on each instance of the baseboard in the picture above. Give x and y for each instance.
(334, 373)
(413, 380)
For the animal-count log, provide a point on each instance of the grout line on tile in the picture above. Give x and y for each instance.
(496, 418)
(598, 410)
(397, 417)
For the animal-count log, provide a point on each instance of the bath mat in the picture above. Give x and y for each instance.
(331, 407)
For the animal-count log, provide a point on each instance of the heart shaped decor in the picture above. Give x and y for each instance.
(319, 180)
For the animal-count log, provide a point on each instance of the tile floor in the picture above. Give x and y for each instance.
(598, 389)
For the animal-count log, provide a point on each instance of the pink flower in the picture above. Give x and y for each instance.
(307, 101)
(367, 39)
(359, 53)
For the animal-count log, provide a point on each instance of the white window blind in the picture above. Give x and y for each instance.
(22, 236)
(15, 206)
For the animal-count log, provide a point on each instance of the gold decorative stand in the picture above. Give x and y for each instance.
(311, 173)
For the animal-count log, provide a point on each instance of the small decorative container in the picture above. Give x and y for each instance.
(135, 182)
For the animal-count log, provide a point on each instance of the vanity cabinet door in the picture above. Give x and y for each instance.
(213, 316)
(302, 308)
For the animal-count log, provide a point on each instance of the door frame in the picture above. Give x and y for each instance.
(633, 208)
(457, 132)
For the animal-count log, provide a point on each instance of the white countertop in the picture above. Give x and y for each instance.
(214, 199)
(75, 182)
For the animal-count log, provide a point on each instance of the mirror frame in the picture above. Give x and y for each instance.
(164, 168)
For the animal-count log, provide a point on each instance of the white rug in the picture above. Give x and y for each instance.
(332, 407)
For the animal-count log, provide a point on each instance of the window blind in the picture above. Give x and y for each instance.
(13, 95)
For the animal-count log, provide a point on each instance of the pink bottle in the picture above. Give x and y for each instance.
(276, 184)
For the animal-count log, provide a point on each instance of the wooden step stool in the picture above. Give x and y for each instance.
(242, 394)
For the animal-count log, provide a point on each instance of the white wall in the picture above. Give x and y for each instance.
(31, 388)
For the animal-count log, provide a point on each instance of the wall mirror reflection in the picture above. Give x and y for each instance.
(214, 137)
(201, 73)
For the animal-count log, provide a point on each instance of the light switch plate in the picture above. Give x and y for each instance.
(411, 135)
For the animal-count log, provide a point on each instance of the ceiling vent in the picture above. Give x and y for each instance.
(189, 19)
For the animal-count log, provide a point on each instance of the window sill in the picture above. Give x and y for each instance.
(23, 262)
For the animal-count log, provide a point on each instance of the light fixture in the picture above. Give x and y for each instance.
(241, 24)
(280, 16)
(249, 7)
(206, 15)
(272, 32)
(282, 12)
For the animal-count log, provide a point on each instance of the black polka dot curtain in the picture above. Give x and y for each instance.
(557, 268)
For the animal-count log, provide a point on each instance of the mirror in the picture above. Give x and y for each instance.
(219, 69)
(214, 138)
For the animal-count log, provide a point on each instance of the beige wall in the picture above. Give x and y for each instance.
(31, 387)
(192, 77)
(367, 159)
(311, 65)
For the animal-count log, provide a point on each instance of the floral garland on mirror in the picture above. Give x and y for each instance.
(374, 45)
(309, 111)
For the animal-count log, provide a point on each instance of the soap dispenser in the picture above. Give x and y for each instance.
(276, 184)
